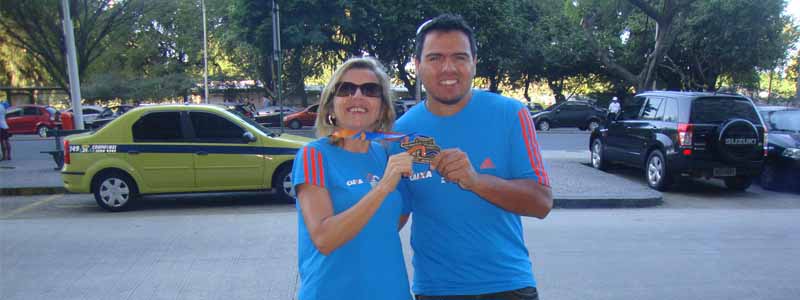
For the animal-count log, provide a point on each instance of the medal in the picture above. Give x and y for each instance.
(422, 149)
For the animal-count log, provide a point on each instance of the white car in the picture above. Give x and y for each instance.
(271, 110)
(90, 112)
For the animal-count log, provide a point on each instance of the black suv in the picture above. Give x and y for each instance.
(689, 134)
(574, 113)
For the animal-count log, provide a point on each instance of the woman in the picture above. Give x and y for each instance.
(348, 208)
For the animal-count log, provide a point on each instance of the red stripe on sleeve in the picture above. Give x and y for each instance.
(538, 154)
(321, 169)
(305, 162)
(525, 131)
(314, 167)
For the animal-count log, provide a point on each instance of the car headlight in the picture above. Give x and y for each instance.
(793, 153)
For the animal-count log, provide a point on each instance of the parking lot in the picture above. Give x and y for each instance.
(700, 243)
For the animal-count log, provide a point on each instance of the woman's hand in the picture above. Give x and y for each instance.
(398, 165)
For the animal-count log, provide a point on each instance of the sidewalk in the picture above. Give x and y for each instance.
(575, 183)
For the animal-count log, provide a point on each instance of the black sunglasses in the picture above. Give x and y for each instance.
(369, 89)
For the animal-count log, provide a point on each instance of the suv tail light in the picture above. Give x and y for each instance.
(66, 152)
(685, 135)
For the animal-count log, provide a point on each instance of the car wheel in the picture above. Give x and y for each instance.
(770, 178)
(41, 131)
(593, 124)
(115, 191)
(656, 171)
(295, 124)
(738, 183)
(543, 125)
(597, 155)
(282, 183)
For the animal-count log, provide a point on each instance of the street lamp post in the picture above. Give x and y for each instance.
(72, 66)
(276, 51)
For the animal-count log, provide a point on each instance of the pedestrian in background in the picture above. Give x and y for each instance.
(613, 109)
(5, 144)
(348, 207)
(467, 199)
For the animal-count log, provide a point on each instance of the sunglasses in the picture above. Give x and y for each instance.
(369, 89)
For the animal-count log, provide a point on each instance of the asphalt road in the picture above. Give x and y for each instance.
(243, 247)
(705, 242)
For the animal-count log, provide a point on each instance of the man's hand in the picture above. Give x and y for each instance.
(454, 166)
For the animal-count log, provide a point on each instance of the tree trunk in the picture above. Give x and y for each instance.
(527, 86)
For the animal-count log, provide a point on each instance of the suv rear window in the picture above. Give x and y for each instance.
(716, 110)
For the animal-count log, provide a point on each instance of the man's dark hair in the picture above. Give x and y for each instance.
(445, 22)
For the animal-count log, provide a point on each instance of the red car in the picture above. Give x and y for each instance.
(32, 119)
(297, 120)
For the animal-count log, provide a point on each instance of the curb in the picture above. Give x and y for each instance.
(607, 202)
(30, 191)
(566, 202)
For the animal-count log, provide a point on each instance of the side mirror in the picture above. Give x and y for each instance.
(248, 137)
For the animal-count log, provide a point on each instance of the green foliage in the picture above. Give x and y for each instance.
(148, 50)
(731, 38)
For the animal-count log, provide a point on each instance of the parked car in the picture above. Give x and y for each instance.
(31, 119)
(575, 113)
(534, 107)
(245, 109)
(272, 110)
(782, 166)
(306, 117)
(178, 149)
(109, 114)
(271, 116)
(684, 134)
(90, 113)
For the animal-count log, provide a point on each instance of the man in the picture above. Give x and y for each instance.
(5, 145)
(613, 109)
(477, 170)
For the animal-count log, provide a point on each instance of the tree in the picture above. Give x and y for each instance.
(384, 29)
(306, 33)
(35, 26)
(732, 38)
(607, 27)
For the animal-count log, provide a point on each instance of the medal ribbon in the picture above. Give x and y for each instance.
(370, 136)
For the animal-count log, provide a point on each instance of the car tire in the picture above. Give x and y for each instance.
(655, 171)
(593, 124)
(738, 183)
(282, 184)
(597, 156)
(41, 131)
(543, 125)
(115, 191)
(295, 124)
(769, 178)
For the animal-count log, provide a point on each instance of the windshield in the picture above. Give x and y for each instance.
(252, 122)
(788, 120)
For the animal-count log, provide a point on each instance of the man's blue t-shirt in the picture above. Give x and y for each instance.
(463, 244)
(371, 265)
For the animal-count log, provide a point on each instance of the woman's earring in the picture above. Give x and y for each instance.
(331, 120)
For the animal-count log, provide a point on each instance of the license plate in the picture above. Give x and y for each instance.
(724, 172)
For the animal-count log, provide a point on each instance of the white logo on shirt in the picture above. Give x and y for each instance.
(354, 182)
(421, 175)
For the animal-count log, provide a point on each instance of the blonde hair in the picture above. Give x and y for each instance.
(385, 118)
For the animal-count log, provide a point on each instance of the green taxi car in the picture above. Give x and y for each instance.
(178, 149)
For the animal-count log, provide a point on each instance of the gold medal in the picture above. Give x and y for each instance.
(422, 149)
